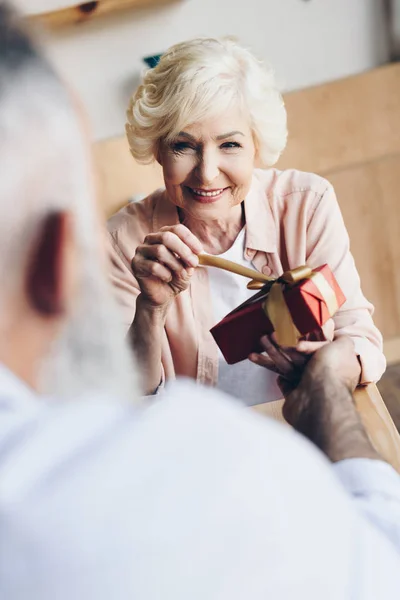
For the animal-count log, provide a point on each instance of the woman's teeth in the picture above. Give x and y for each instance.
(207, 194)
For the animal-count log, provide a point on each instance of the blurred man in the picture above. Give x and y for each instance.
(190, 497)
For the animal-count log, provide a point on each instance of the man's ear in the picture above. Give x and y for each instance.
(48, 277)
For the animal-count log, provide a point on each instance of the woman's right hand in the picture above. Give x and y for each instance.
(164, 263)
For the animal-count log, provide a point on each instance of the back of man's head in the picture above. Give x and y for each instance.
(37, 128)
(46, 175)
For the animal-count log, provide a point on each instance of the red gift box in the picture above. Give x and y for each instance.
(309, 298)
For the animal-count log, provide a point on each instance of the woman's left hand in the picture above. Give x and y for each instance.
(289, 363)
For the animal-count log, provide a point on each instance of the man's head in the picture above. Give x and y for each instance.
(57, 330)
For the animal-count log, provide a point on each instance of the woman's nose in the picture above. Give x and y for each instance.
(208, 168)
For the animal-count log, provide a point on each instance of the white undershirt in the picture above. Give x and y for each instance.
(243, 380)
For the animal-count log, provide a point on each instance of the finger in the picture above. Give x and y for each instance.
(292, 354)
(285, 386)
(174, 244)
(187, 237)
(299, 359)
(263, 361)
(310, 347)
(151, 268)
(329, 330)
(326, 333)
(282, 362)
(314, 336)
(158, 252)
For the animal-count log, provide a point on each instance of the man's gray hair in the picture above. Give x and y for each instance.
(45, 167)
(41, 162)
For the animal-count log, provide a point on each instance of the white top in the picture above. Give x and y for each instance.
(244, 380)
(193, 497)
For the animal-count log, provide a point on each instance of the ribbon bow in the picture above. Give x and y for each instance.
(275, 306)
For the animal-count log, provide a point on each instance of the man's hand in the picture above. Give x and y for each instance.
(319, 402)
(289, 363)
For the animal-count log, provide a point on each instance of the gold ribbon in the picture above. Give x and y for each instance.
(276, 308)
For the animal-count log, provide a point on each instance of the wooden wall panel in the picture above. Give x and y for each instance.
(120, 177)
(344, 123)
(369, 199)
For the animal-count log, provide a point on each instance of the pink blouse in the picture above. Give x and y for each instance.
(292, 218)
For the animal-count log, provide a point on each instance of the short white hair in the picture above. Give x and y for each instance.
(201, 78)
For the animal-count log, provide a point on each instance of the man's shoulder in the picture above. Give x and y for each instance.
(57, 442)
(95, 441)
(207, 413)
(38, 444)
(190, 471)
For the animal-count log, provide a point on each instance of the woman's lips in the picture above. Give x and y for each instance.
(206, 196)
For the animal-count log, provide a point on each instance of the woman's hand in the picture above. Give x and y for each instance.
(164, 264)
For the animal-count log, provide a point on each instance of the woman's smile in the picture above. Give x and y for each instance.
(206, 196)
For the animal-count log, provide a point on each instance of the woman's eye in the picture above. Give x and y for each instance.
(230, 145)
(180, 147)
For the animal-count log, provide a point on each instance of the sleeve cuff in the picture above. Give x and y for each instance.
(372, 359)
(365, 476)
(160, 387)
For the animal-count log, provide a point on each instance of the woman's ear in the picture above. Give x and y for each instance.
(50, 273)
(257, 161)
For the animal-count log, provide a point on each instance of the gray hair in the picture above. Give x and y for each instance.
(45, 167)
(38, 131)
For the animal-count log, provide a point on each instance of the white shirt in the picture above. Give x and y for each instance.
(192, 497)
(244, 380)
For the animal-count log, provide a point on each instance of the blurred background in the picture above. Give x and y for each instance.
(336, 61)
(308, 42)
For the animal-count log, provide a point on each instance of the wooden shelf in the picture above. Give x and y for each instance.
(86, 11)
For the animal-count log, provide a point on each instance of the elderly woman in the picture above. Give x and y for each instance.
(213, 118)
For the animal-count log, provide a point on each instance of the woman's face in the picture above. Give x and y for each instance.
(208, 167)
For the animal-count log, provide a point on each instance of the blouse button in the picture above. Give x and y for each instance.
(266, 270)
